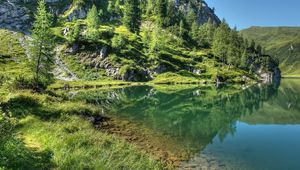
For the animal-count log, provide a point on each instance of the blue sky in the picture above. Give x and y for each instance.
(246, 13)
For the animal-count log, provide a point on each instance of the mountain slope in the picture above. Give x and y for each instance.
(282, 42)
(174, 36)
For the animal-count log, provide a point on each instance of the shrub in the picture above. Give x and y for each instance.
(118, 42)
(22, 83)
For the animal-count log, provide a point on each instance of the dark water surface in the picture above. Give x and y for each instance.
(220, 128)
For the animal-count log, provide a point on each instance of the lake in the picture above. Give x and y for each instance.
(229, 127)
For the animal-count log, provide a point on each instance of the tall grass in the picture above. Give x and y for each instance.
(77, 145)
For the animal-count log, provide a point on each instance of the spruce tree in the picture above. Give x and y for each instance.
(221, 41)
(93, 24)
(42, 46)
(93, 18)
(244, 60)
(161, 8)
(132, 15)
(172, 14)
(194, 33)
(206, 34)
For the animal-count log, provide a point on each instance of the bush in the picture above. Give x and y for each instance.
(118, 42)
(22, 83)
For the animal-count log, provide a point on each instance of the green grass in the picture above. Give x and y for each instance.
(174, 78)
(9, 44)
(77, 145)
(82, 84)
(278, 41)
(51, 133)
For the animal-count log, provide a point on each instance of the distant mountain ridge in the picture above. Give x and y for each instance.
(282, 42)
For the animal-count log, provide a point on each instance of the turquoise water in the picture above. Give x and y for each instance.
(220, 128)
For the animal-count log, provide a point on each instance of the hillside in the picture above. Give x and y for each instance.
(175, 36)
(282, 42)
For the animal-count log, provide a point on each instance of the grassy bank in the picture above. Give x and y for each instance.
(75, 144)
(50, 132)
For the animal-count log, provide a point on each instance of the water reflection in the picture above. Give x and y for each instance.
(200, 117)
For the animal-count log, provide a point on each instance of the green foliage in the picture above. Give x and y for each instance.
(92, 18)
(42, 46)
(221, 41)
(74, 34)
(206, 34)
(161, 11)
(119, 41)
(132, 15)
(93, 24)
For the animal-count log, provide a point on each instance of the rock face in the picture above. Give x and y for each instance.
(14, 14)
(14, 17)
(202, 10)
(270, 76)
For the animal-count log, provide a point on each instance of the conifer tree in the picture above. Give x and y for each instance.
(132, 15)
(93, 23)
(244, 60)
(191, 17)
(42, 57)
(221, 41)
(206, 34)
(93, 18)
(161, 8)
(195, 32)
(172, 15)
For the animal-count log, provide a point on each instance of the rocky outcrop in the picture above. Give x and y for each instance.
(202, 10)
(14, 17)
(269, 76)
(136, 75)
(78, 13)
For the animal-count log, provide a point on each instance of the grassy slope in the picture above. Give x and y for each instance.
(277, 41)
(134, 55)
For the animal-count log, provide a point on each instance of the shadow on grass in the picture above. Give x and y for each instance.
(22, 106)
(15, 155)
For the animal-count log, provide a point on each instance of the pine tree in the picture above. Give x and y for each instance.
(206, 34)
(244, 60)
(195, 32)
(93, 24)
(191, 17)
(132, 16)
(172, 15)
(221, 41)
(42, 58)
(93, 18)
(74, 34)
(234, 48)
(161, 11)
